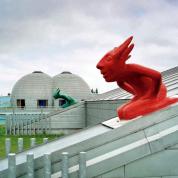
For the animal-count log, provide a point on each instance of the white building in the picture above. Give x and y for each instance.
(36, 89)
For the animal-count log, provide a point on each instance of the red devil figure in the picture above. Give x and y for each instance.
(144, 83)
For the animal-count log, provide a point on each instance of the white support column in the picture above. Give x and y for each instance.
(45, 140)
(30, 165)
(8, 145)
(47, 165)
(20, 144)
(32, 142)
(82, 165)
(65, 165)
(11, 165)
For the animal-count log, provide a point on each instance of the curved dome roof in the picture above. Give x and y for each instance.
(36, 85)
(71, 84)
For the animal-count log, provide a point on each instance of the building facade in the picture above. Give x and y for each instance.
(36, 90)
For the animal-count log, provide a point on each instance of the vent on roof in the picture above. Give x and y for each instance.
(37, 72)
(66, 72)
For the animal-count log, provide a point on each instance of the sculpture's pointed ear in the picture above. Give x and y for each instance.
(126, 53)
(120, 49)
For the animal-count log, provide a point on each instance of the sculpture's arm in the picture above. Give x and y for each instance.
(147, 72)
(64, 97)
(127, 87)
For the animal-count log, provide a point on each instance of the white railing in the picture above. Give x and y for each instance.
(33, 123)
(27, 124)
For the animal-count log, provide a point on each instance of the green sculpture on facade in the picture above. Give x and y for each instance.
(66, 100)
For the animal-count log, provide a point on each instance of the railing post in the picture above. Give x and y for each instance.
(30, 165)
(50, 123)
(20, 144)
(65, 165)
(30, 126)
(10, 126)
(14, 126)
(82, 165)
(45, 140)
(34, 126)
(8, 146)
(32, 142)
(38, 129)
(18, 126)
(7, 125)
(47, 165)
(11, 166)
(46, 124)
(26, 127)
(22, 127)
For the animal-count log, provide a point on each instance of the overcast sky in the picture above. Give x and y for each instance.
(73, 35)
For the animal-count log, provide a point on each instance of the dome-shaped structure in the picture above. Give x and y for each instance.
(72, 85)
(32, 91)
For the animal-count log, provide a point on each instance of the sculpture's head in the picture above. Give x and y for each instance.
(112, 65)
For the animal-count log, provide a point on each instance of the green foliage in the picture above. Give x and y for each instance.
(2, 130)
(26, 140)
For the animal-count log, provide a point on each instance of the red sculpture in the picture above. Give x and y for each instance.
(144, 83)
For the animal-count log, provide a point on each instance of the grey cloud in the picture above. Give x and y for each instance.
(65, 34)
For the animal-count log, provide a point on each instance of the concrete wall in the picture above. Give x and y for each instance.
(99, 111)
(68, 120)
(84, 114)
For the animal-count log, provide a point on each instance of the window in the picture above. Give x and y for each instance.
(20, 103)
(62, 102)
(42, 103)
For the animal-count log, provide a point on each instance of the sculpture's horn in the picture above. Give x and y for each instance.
(120, 49)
